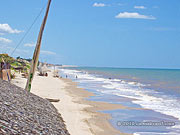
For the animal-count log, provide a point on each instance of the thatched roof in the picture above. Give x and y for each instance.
(24, 113)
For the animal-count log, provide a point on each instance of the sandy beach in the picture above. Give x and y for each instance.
(80, 115)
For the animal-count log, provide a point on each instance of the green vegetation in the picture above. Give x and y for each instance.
(16, 63)
(6, 58)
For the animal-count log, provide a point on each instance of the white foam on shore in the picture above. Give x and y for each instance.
(153, 133)
(149, 99)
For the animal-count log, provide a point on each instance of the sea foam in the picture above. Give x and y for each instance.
(147, 98)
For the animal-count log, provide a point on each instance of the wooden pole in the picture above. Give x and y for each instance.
(35, 58)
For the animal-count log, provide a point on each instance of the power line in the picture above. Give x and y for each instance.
(28, 31)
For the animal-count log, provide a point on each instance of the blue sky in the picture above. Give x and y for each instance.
(106, 33)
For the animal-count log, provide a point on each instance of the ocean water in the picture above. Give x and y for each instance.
(151, 95)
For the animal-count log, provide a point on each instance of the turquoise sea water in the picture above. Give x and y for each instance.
(166, 79)
(155, 90)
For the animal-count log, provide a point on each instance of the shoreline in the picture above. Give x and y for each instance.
(98, 122)
(142, 104)
(80, 115)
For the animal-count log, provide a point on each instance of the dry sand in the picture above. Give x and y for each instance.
(80, 116)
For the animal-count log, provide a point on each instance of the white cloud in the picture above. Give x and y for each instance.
(18, 52)
(48, 52)
(29, 44)
(139, 7)
(5, 40)
(5, 28)
(99, 5)
(133, 15)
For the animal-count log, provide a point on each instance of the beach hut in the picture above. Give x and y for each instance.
(42, 69)
(5, 71)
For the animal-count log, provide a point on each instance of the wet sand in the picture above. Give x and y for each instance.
(97, 122)
(80, 115)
